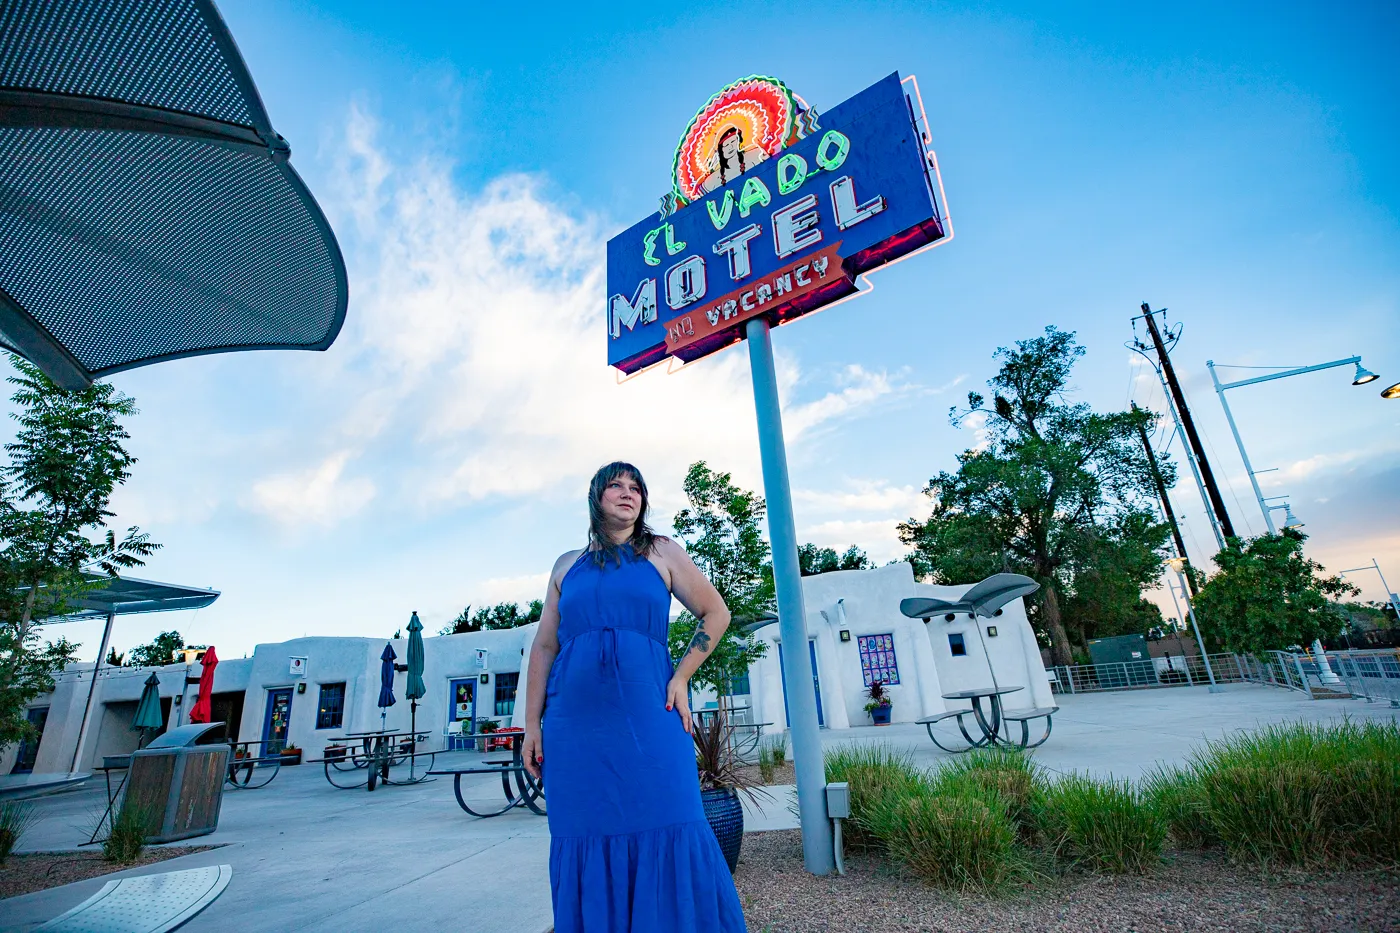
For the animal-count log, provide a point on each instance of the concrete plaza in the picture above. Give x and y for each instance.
(309, 857)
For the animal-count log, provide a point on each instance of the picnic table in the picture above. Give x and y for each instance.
(242, 766)
(744, 737)
(374, 753)
(526, 791)
(110, 763)
(989, 722)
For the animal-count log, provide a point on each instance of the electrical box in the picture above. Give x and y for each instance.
(838, 800)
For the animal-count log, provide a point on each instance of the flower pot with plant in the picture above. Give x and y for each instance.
(721, 782)
(878, 703)
(290, 755)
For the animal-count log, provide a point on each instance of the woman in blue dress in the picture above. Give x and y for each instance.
(608, 721)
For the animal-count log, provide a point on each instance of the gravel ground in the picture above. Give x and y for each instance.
(36, 871)
(1190, 892)
(782, 774)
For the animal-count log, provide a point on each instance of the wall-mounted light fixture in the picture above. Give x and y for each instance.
(991, 631)
(845, 634)
(486, 678)
(301, 687)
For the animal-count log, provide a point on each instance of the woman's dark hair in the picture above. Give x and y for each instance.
(600, 545)
(719, 150)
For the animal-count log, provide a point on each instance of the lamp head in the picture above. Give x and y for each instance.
(1391, 392)
(1289, 519)
(1177, 563)
(1363, 376)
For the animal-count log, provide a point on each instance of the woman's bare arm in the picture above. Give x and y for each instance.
(542, 654)
(697, 594)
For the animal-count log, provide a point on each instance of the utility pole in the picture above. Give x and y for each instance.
(1194, 439)
(1166, 503)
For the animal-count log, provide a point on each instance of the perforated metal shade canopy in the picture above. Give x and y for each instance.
(148, 210)
(127, 595)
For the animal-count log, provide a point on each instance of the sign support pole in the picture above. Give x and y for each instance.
(817, 852)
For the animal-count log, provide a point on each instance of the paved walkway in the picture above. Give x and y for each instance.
(309, 857)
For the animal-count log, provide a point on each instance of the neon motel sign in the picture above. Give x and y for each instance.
(774, 210)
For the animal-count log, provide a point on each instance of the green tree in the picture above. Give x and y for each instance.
(720, 531)
(1053, 485)
(64, 462)
(499, 616)
(157, 652)
(812, 560)
(1267, 596)
(1115, 561)
(115, 658)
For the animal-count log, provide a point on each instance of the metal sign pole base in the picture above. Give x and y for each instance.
(817, 853)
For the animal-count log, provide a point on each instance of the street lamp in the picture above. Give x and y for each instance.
(1179, 565)
(1361, 377)
(1391, 391)
(1393, 597)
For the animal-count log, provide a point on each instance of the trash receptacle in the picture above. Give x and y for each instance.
(178, 784)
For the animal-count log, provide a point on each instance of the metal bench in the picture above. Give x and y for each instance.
(1024, 716)
(527, 791)
(928, 723)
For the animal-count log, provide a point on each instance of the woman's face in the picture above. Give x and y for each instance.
(622, 501)
(729, 146)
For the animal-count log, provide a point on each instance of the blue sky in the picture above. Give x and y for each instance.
(1235, 165)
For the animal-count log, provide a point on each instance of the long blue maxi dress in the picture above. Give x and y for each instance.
(630, 849)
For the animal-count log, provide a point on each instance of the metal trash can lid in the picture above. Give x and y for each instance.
(183, 736)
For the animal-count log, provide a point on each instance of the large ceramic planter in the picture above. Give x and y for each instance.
(726, 816)
(881, 715)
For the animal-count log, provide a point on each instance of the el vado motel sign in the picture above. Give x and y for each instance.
(775, 211)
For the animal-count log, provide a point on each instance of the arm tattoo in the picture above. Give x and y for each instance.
(701, 639)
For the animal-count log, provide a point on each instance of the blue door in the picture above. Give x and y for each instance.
(277, 720)
(816, 683)
(29, 745)
(463, 706)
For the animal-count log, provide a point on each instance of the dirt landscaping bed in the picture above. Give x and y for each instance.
(1189, 892)
(35, 871)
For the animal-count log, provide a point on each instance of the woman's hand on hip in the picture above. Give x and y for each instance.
(677, 700)
(532, 751)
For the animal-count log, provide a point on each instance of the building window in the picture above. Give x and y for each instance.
(331, 711)
(877, 659)
(739, 686)
(505, 692)
(956, 643)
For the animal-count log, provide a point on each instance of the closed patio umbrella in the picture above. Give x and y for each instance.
(148, 716)
(201, 712)
(415, 688)
(386, 682)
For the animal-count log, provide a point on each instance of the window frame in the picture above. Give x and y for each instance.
(512, 685)
(339, 714)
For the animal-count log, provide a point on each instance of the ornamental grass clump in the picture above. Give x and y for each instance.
(880, 780)
(127, 840)
(1104, 825)
(1010, 776)
(957, 838)
(1301, 794)
(16, 817)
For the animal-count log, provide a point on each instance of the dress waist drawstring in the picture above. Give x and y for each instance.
(610, 669)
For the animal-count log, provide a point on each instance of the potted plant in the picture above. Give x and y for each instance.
(334, 752)
(878, 703)
(291, 755)
(721, 781)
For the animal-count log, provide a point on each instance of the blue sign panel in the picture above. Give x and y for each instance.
(782, 239)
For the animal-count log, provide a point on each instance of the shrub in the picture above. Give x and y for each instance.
(951, 839)
(1106, 825)
(1300, 794)
(779, 749)
(765, 763)
(1010, 777)
(880, 779)
(127, 839)
(16, 816)
(1181, 801)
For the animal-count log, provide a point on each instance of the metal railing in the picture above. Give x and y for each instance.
(1372, 675)
(1171, 671)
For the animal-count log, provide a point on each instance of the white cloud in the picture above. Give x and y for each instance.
(320, 495)
(864, 496)
(472, 369)
(877, 538)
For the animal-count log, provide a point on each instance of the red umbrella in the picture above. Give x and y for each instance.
(200, 712)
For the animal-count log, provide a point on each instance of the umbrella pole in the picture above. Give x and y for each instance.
(412, 736)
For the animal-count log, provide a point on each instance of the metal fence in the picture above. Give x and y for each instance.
(1171, 671)
(1372, 675)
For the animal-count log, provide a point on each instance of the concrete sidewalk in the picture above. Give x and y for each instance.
(306, 856)
(309, 857)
